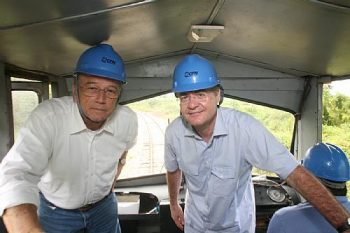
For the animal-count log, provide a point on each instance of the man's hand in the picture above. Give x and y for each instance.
(177, 215)
(174, 183)
(22, 219)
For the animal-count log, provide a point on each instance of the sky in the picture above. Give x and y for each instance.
(342, 87)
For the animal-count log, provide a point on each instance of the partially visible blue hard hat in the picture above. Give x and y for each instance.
(327, 161)
(103, 61)
(194, 73)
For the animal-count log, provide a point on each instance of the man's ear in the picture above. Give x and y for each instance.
(221, 94)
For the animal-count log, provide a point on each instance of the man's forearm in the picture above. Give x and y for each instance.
(22, 219)
(318, 195)
(174, 183)
(121, 163)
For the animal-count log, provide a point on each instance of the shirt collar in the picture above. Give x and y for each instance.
(220, 128)
(108, 126)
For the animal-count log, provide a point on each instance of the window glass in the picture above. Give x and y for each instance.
(154, 114)
(336, 116)
(23, 103)
(278, 122)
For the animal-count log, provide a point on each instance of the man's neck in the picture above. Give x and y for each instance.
(92, 125)
(205, 132)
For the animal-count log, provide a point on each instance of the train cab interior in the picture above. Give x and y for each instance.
(277, 54)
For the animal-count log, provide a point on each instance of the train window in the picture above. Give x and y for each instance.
(26, 95)
(336, 116)
(271, 118)
(23, 103)
(154, 114)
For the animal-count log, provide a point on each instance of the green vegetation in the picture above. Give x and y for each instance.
(166, 106)
(280, 123)
(336, 120)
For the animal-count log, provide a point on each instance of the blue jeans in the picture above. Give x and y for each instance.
(102, 218)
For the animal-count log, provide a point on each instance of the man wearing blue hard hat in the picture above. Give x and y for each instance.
(216, 148)
(69, 152)
(331, 166)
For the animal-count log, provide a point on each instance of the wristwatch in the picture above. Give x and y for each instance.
(345, 226)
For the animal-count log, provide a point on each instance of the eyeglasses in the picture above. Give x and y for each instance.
(93, 91)
(197, 96)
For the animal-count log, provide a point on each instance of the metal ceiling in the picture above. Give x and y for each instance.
(298, 37)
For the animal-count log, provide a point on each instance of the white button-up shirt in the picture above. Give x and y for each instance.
(56, 154)
(220, 194)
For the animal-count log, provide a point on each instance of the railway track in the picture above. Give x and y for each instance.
(146, 157)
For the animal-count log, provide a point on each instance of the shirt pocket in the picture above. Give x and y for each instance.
(188, 168)
(223, 181)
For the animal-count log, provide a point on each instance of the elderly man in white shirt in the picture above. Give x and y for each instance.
(67, 155)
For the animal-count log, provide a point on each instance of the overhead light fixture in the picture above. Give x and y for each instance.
(204, 33)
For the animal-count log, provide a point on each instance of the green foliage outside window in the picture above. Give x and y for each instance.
(336, 120)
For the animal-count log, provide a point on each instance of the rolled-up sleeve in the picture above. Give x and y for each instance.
(264, 151)
(170, 161)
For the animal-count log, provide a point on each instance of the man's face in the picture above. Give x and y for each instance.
(97, 97)
(199, 107)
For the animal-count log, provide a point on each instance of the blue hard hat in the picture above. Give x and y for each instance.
(103, 61)
(194, 73)
(327, 161)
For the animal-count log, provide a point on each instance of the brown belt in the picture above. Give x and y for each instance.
(83, 208)
(91, 205)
